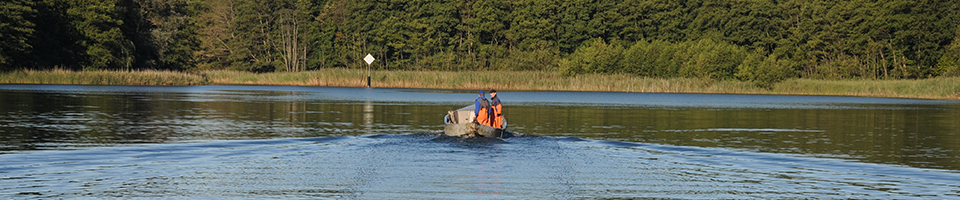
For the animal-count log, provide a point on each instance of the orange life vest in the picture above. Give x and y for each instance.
(483, 117)
(497, 121)
(497, 112)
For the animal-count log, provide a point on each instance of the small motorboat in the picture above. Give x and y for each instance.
(460, 123)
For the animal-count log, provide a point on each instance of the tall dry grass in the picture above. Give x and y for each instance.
(501, 80)
(101, 77)
(933, 88)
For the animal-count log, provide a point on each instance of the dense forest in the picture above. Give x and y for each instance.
(763, 41)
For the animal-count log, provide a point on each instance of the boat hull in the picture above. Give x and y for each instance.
(474, 130)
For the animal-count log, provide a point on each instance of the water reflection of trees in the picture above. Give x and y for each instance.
(299, 118)
(92, 119)
(50, 118)
(921, 137)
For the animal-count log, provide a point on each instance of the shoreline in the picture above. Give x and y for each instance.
(941, 88)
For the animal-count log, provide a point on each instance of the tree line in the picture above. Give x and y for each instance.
(754, 40)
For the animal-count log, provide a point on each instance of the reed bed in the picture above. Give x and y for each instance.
(101, 77)
(501, 80)
(933, 88)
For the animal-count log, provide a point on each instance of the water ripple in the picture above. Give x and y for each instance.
(429, 165)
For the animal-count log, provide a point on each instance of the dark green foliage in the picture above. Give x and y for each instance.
(653, 59)
(99, 26)
(763, 70)
(594, 56)
(949, 64)
(706, 58)
(16, 30)
(83, 34)
(171, 36)
(709, 59)
(762, 41)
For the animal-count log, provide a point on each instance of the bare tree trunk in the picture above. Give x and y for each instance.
(297, 56)
(284, 34)
(295, 60)
(883, 63)
(291, 50)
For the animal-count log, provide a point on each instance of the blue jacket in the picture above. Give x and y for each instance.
(476, 103)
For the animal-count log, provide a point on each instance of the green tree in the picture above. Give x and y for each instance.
(708, 39)
(949, 64)
(168, 31)
(98, 23)
(927, 27)
(486, 29)
(594, 56)
(653, 59)
(16, 31)
(655, 19)
(215, 24)
(430, 32)
(294, 31)
(257, 35)
(748, 23)
(764, 71)
(710, 59)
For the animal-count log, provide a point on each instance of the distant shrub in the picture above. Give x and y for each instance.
(710, 59)
(949, 63)
(594, 56)
(763, 70)
(652, 59)
(541, 58)
(706, 58)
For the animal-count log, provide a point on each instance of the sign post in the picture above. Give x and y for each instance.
(369, 60)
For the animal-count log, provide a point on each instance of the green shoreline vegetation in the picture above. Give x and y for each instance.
(931, 88)
(893, 48)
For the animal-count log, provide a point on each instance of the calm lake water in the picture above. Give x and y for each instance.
(262, 142)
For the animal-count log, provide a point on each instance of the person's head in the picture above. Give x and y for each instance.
(480, 94)
(493, 93)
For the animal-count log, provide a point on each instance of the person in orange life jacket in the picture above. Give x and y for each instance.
(481, 111)
(497, 110)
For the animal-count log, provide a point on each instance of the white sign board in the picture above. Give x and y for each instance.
(369, 59)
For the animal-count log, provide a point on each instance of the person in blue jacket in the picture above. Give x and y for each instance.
(481, 111)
